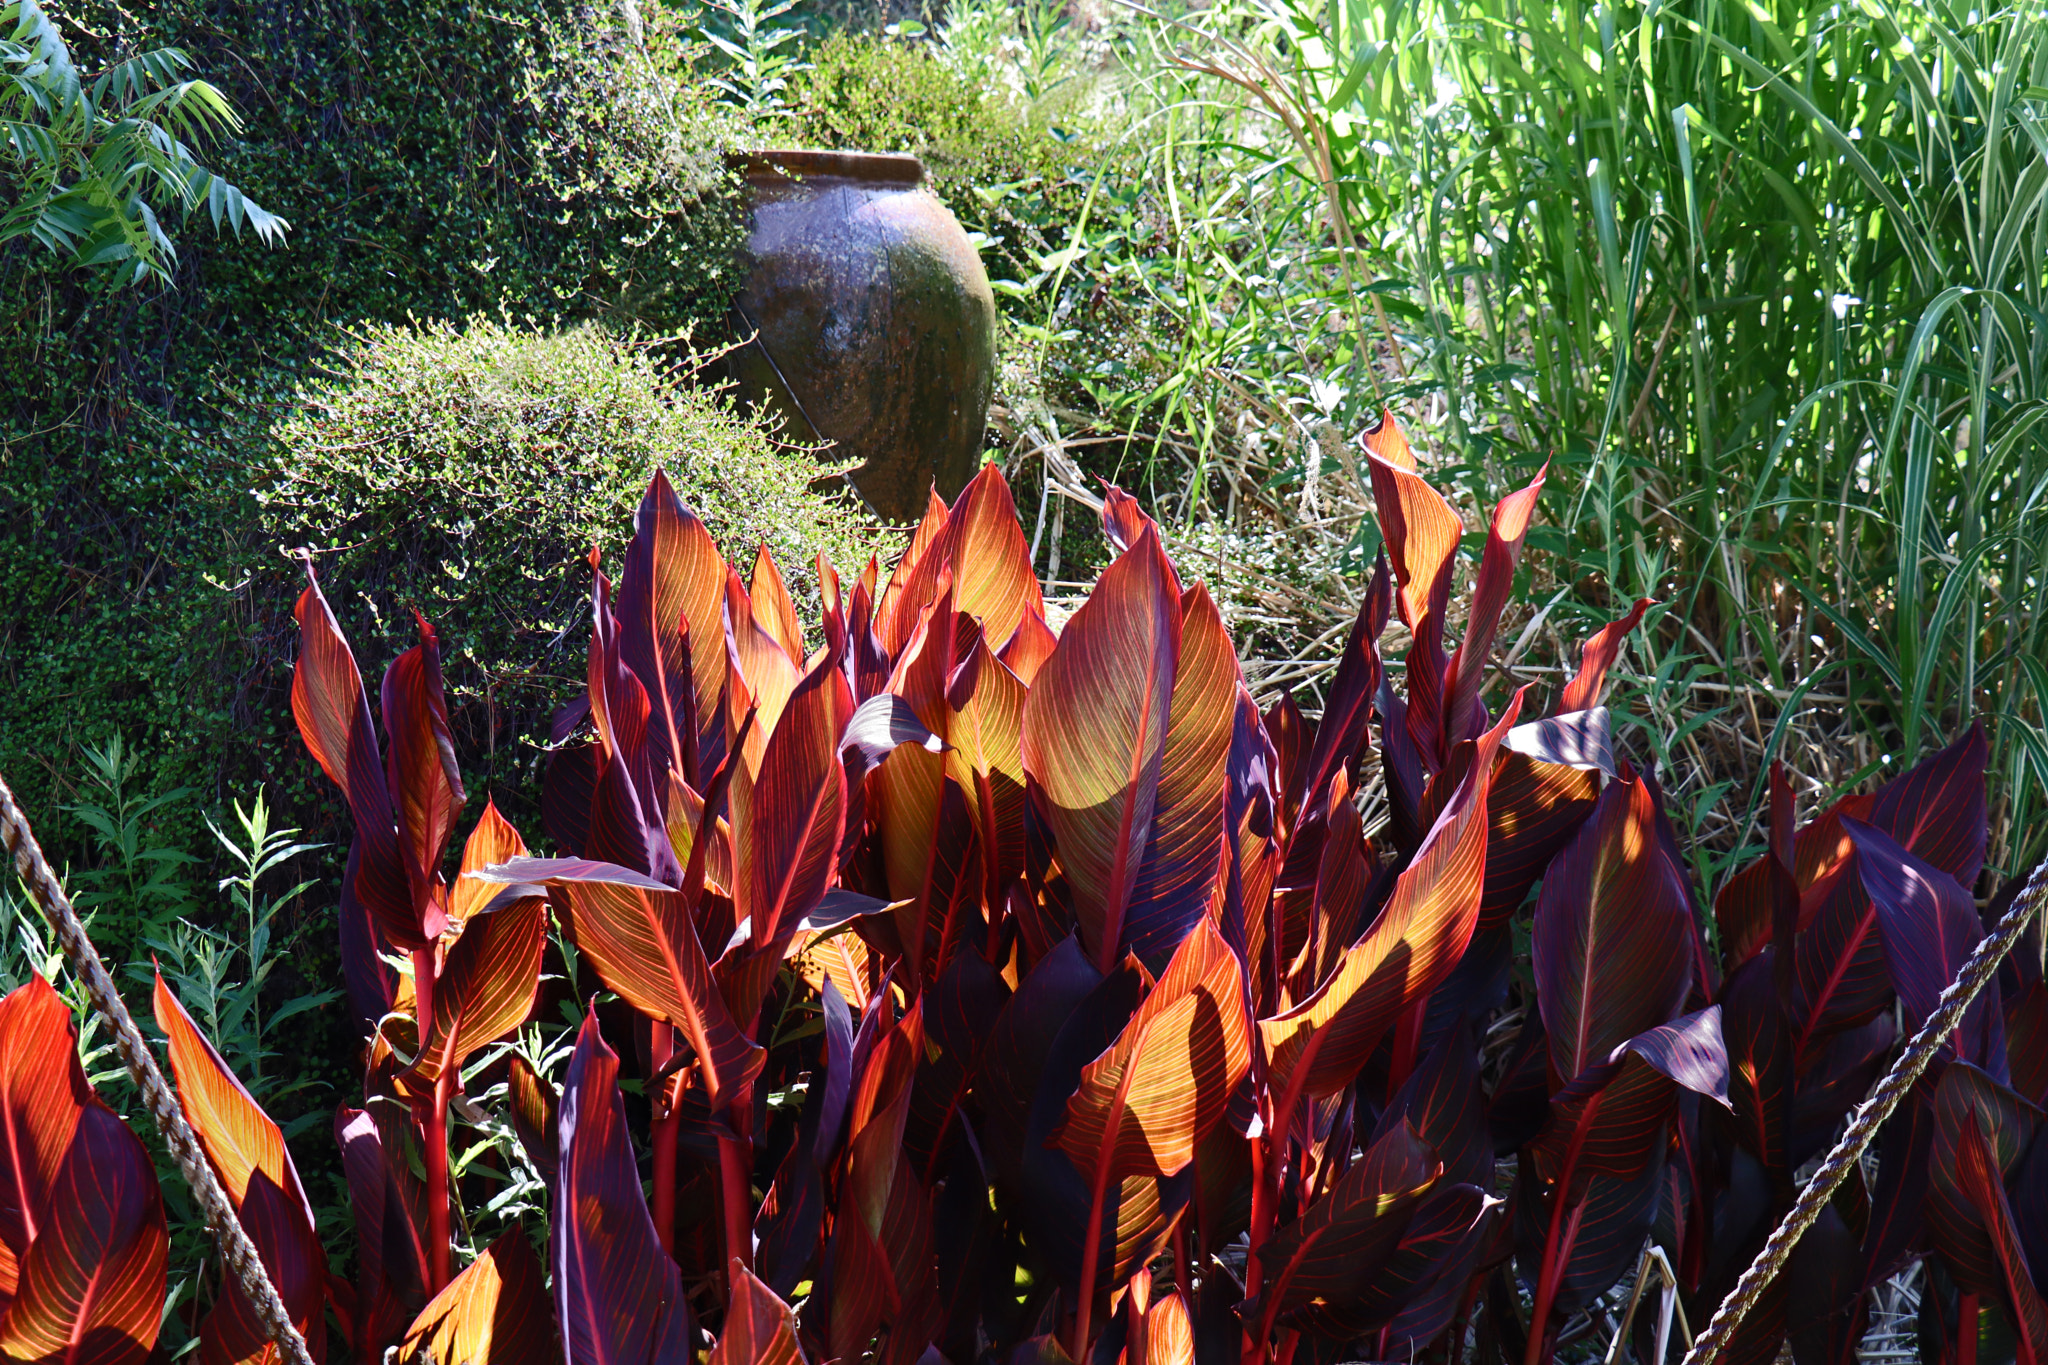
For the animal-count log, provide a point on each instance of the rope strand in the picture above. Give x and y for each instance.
(239, 1253)
(1884, 1098)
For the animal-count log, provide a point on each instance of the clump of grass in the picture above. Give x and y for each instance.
(1766, 287)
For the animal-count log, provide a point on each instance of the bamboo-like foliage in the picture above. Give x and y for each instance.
(1765, 283)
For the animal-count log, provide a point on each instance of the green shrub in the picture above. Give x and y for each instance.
(468, 470)
(1002, 172)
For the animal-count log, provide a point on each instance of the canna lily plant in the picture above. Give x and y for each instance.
(1003, 993)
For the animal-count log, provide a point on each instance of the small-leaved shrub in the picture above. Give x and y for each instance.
(468, 471)
(1002, 172)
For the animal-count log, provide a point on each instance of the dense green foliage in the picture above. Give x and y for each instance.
(504, 157)
(1003, 170)
(95, 166)
(467, 471)
(1766, 288)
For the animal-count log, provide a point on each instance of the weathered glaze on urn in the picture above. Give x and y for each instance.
(872, 320)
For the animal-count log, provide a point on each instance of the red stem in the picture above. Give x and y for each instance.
(1546, 1280)
(1091, 1250)
(1407, 1043)
(425, 967)
(666, 1131)
(1966, 1330)
(1261, 1218)
(438, 1238)
(1091, 1256)
(1138, 1337)
(1553, 1242)
(1183, 1268)
(1546, 1285)
(736, 1180)
(1269, 1158)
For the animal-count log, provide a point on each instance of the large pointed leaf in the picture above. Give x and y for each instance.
(1464, 717)
(1169, 1332)
(1597, 657)
(1983, 1182)
(759, 1329)
(960, 1010)
(618, 1297)
(569, 790)
(671, 625)
(1251, 832)
(420, 772)
(1610, 938)
(1053, 1198)
(881, 725)
(1028, 649)
(533, 1106)
(1314, 928)
(1609, 1121)
(924, 830)
(492, 842)
(1820, 854)
(1956, 1226)
(372, 983)
(485, 990)
(1177, 881)
(1430, 1272)
(983, 545)
(1532, 811)
(1591, 1177)
(1123, 521)
(1897, 1204)
(1422, 535)
(1342, 732)
(897, 610)
(1759, 1061)
(880, 1261)
(1015, 1057)
(1928, 924)
(333, 715)
(759, 672)
(1329, 1257)
(91, 1289)
(1600, 1234)
(939, 893)
(787, 822)
(644, 946)
(1936, 812)
(1419, 1286)
(1582, 740)
(1408, 952)
(247, 1152)
(1835, 1082)
(773, 611)
(1443, 1102)
(986, 733)
(1095, 733)
(1144, 1104)
(495, 1312)
(391, 1252)
(43, 1093)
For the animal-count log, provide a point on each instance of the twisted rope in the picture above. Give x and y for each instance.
(240, 1254)
(1872, 1113)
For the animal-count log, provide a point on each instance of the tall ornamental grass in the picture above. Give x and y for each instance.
(1764, 283)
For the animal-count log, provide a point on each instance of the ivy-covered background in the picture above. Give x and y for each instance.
(509, 222)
